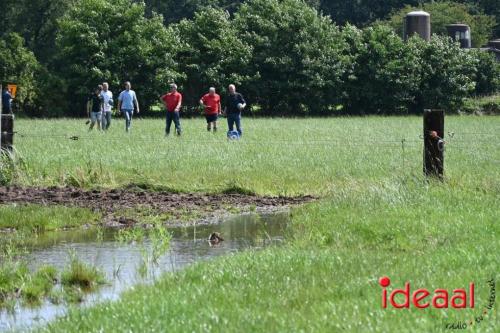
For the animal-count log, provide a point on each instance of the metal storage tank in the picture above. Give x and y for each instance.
(417, 22)
(460, 33)
(494, 44)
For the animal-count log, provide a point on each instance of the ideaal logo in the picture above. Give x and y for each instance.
(439, 299)
(422, 298)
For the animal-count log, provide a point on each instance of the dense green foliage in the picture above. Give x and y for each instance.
(359, 13)
(113, 41)
(488, 73)
(18, 64)
(299, 57)
(386, 71)
(287, 56)
(211, 53)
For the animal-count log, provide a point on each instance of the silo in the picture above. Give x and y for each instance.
(460, 33)
(418, 22)
(494, 44)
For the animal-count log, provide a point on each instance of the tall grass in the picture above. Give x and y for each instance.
(81, 275)
(20, 225)
(275, 157)
(18, 283)
(37, 218)
(25, 223)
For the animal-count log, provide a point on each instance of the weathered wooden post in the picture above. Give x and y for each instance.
(434, 143)
(1, 109)
(7, 132)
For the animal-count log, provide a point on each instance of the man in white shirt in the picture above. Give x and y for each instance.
(107, 106)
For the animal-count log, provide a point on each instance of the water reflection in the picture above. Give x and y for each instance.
(124, 264)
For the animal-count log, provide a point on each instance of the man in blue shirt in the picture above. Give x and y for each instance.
(127, 102)
(6, 101)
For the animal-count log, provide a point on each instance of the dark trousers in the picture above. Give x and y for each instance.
(234, 119)
(175, 117)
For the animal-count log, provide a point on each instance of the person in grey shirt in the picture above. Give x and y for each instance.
(107, 106)
(127, 102)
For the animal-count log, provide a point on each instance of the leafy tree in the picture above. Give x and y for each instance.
(489, 7)
(487, 73)
(444, 13)
(113, 41)
(446, 73)
(36, 22)
(385, 75)
(361, 12)
(211, 54)
(175, 10)
(297, 54)
(18, 65)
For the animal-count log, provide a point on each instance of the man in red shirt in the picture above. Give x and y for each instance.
(173, 103)
(211, 103)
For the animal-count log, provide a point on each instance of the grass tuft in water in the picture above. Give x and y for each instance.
(79, 274)
(18, 283)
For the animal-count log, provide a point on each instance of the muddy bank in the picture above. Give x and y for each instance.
(124, 207)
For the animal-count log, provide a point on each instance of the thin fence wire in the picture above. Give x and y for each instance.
(402, 143)
(405, 146)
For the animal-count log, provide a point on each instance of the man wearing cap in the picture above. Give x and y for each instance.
(211, 103)
(235, 103)
(173, 104)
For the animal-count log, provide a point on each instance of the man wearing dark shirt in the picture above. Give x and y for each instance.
(6, 101)
(94, 108)
(235, 103)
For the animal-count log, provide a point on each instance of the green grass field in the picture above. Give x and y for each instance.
(276, 157)
(37, 219)
(377, 216)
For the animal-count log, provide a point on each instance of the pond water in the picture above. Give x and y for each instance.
(123, 263)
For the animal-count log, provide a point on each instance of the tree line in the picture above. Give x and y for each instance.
(289, 57)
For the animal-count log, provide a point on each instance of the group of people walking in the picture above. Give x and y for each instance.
(100, 106)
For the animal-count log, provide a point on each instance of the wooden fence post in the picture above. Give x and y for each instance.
(7, 130)
(1, 109)
(434, 143)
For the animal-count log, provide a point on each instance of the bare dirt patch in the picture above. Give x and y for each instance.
(118, 205)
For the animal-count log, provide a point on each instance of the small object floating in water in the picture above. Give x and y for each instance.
(215, 238)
